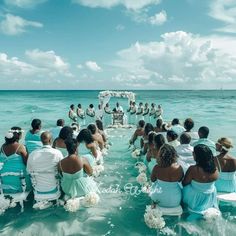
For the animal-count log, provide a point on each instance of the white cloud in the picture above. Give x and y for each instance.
(41, 67)
(13, 25)
(224, 11)
(179, 60)
(24, 3)
(48, 60)
(129, 4)
(92, 65)
(120, 27)
(158, 19)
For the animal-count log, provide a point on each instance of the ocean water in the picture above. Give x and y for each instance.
(120, 211)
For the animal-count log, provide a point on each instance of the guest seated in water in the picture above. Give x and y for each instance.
(101, 131)
(226, 166)
(166, 190)
(55, 131)
(185, 151)
(32, 137)
(150, 151)
(72, 114)
(42, 166)
(147, 128)
(188, 125)
(97, 137)
(13, 158)
(72, 168)
(176, 127)
(199, 192)
(158, 140)
(138, 135)
(59, 143)
(158, 128)
(172, 138)
(87, 146)
(203, 133)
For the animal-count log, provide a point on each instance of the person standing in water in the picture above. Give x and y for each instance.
(90, 113)
(146, 113)
(72, 114)
(81, 115)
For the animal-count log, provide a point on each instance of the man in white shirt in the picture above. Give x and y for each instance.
(42, 165)
(176, 127)
(118, 108)
(99, 112)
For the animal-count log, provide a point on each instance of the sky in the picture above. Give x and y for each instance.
(117, 44)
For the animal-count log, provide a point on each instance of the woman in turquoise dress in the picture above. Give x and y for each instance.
(158, 142)
(137, 136)
(32, 137)
(13, 158)
(59, 143)
(199, 192)
(226, 166)
(166, 177)
(87, 147)
(73, 182)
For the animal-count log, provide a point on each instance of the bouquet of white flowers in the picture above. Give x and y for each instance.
(72, 205)
(91, 199)
(141, 178)
(153, 218)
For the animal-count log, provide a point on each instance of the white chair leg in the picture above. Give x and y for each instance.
(179, 226)
(22, 205)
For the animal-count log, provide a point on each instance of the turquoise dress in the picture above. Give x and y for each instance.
(13, 163)
(166, 194)
(226, 182)
(86, 153)
(200, 196)
(33, 141)
(77, 185)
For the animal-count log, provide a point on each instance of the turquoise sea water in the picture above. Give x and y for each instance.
(120, 212)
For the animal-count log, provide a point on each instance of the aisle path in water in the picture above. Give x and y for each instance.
(119, 212)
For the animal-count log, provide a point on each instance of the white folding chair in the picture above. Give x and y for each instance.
(227, 198)
(15, 197)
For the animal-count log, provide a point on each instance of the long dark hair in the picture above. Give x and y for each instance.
(168, 155)
(148, 127)
(85, 135)
(159, 140)
(71, 145)
(204, 158)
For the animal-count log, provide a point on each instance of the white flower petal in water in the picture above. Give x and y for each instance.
(211, 214)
